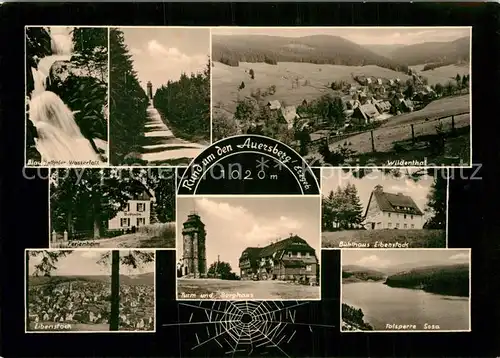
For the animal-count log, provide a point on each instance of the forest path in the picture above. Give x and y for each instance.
(161, 144)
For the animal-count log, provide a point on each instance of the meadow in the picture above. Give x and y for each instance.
(314, 81)
(414, 238)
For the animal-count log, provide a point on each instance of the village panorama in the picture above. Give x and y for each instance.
(347, 96)
(248, 248)
(90, 290)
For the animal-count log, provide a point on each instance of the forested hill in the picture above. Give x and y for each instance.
(141, 279)
(433, 52)
(319, 49)
(352, 273)
(452, 280)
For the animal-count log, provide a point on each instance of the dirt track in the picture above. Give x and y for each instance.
(244, 290)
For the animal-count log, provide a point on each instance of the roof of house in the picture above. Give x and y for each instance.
(274, 104)
(145, 194)
(368, 110)
(289, 113)
(276, 248)
(397, 203)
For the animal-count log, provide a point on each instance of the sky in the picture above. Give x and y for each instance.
(235, 223)
(362, 36)
(84, 263)
(387, 258)
(331, 178)
(163, 54)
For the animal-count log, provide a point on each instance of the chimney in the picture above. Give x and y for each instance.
(400, 194)
(379, 188)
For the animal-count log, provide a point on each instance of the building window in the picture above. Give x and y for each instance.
(127, 207)
(397, 215)
(404, 217)
(125, 222)
(289, 254)
(309, 268)
(141, 221)
(412, 226)
(397, 225)
(141, 207)
(411, 217)
(307, 254)
(406, 226)
(389, 215)
(299, 254)
(389, 225)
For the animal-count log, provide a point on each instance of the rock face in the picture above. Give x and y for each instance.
(61, 71)
(84, 94)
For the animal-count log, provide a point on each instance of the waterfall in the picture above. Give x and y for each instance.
(59, 137)
(62, 47)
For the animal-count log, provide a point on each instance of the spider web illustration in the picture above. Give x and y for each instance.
(244, 328)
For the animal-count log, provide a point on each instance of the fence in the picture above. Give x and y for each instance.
(84, 238)
(386, 136)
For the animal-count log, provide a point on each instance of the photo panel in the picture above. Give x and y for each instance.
(66, 74)
(112, 208)
(348, 96)
(277, 328)
(160, 95)
(90, 291)
(381, 208)
(248, 248)
(398, 290)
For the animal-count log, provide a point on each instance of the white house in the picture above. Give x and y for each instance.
(274, 105)
(392, 211)
(137, 213)
(290, 115)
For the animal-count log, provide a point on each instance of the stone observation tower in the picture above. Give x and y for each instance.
(194, 257)
(150, 90)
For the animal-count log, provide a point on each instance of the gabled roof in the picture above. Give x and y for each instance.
(252, 253)
(276, 248)
(396, 203)
(368, 110)
(274, 104)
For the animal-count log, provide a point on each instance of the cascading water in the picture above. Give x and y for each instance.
(59, 137)
(62, 48)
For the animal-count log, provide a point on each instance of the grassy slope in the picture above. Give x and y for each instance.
(443, 74)
(415, 238)
(227, 79)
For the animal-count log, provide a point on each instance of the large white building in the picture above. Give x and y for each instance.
(137, 213)
(392, 211)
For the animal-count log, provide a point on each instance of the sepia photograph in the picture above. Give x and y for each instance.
(406, 290)
(90, 291)
(112, 208)
(384, 96)
(384, 208)
(248, 248)
(66, 96)
(160, 95)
